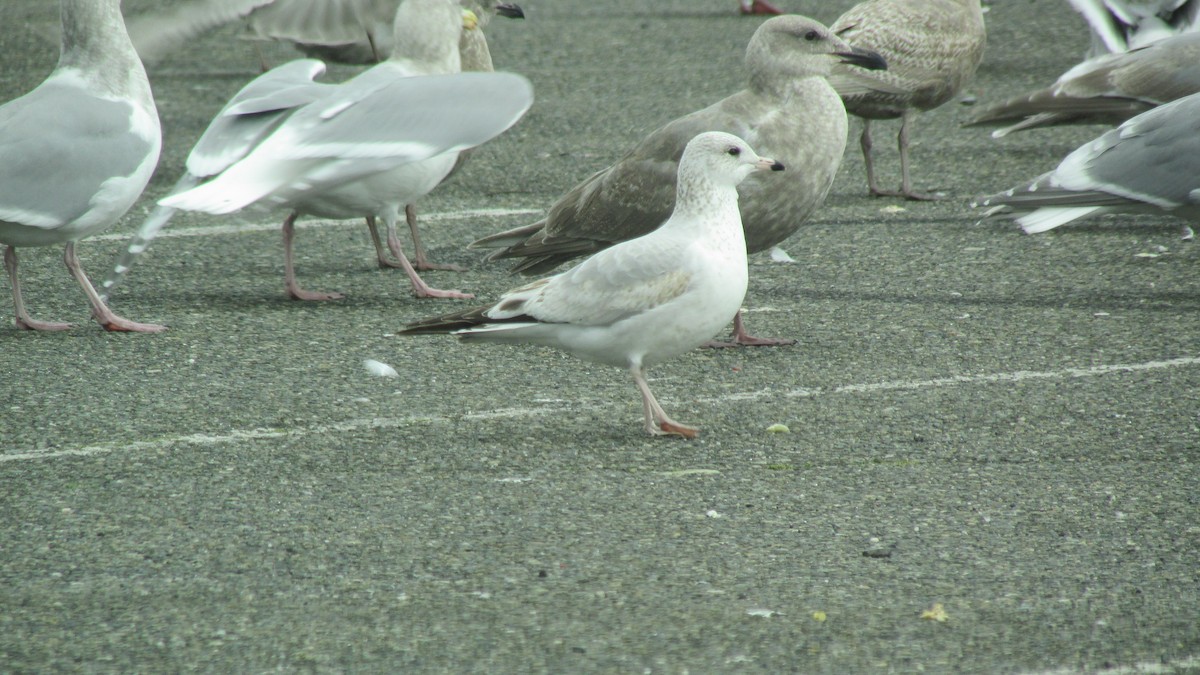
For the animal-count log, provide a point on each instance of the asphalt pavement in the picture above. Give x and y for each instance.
(992, 439)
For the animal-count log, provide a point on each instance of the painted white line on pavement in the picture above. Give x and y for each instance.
(1186, 664)
(499, 413)
(239, 228)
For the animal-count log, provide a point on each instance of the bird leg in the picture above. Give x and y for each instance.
(380, 253)
(864, 141)
(289, 266)
(658, 423)
(105, 316)
(743, 339)
(23, 321)
(420, 288)
(419, 260)
(758, 7)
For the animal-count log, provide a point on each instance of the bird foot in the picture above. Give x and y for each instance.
(758, 7)
(29, 324)
(668, 427)
(118, 325)
(301, 294)
(910, 195)
(430, 292)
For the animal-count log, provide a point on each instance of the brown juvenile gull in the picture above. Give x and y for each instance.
(932, 48)
(1108, 89)
(1149, 164)
(77, 151)
(363, 148)
(647, 299)
(757, 7)
(788, 111)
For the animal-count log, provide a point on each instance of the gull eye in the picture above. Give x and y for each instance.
(811, 35)
(733, 151)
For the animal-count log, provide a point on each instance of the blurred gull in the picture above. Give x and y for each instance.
(788, 111)
(645, 300)
(1121, 25)
(1108, 89)
(364, 148)
(78, 150)
(1150, 164)
(932, 48)
(337, 31)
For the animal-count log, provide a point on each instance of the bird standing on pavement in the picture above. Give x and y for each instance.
(77, 151)
(788, 111)
(645, 300)
(932, 48)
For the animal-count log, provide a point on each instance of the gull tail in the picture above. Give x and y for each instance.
(157, 220)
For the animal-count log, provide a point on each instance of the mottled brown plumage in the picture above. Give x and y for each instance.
(932, 48)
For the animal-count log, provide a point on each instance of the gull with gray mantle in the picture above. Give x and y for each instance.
(77, 151)
(787, 110)
(358, 32)
(1149, 164)
(644, 300)
(361, 149)
(932, 49)
(1107, 89)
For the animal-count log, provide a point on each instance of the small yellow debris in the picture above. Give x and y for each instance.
(778, 429)
(893, 209)
(935, 613)
(818, 616)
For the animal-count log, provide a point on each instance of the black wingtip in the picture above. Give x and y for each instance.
(509, 10)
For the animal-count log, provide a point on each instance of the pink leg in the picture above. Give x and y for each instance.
(906, 187)
(289, 267)
(761, 7)
(380, 252)
(743, 339)
(105, 316)
(23, 321)
(420, 288)
(419, 260)
(658, 423)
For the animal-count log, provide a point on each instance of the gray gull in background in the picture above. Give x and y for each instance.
(645, 300)
(932, 49)
(361, 149)
(788, 111)
(77, 151)
(1150, 164)
(1108, 89)
(1120, 25)
(337, 31)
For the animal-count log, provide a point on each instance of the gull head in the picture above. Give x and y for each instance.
(723, 159)
(797, 46)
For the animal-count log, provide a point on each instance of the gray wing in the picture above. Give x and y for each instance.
(1108, 89)
(359, 130)
(60, 124)
(253, 113)
(155, 35)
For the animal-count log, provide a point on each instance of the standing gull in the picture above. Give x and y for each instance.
(932, 49)
(788, 111)
(1108, 89)
(1150, 164)
(337, 31)
(644, 300)
(77, 151)
(361, 149)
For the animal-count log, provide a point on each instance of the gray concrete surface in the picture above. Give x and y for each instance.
(1000, 423)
